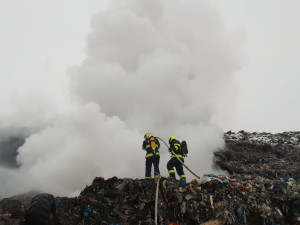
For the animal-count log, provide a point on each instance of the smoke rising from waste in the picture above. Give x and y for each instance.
(160, 66)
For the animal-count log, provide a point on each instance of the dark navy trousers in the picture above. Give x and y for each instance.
(155, 161)
(173, 162)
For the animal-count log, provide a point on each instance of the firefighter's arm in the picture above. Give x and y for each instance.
(144, 146)
(171, 148)
(157, 143)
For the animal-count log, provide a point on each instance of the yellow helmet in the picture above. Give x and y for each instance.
(171, 139)
(147, 134)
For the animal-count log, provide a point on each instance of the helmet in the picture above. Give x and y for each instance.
(171, 139)
(147, 135)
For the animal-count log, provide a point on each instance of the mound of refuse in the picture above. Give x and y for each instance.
(213, 199)
(260, 186)
(265, 164)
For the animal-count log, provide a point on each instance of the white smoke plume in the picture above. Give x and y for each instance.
(159, 66)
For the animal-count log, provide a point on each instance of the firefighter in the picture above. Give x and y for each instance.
(176, 147)
(151, 146)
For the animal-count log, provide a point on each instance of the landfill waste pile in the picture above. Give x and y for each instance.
(11, 212)
(266, 168)
(274, 156)
(261, 186)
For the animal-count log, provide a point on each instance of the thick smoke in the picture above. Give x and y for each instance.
(159, 66)
(10, 140)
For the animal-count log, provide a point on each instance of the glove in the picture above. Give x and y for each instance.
(170, 149)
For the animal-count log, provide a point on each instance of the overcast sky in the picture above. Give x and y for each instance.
(268, 82)
(95, 74)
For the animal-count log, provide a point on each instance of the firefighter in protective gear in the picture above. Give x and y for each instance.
(151, 146)
(175, 146)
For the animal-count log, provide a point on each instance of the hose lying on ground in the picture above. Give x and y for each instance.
(156, 200)
(178, 158)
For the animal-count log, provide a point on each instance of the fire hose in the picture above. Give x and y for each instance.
(157, 186)
(156, 200)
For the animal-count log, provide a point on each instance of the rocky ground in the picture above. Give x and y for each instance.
(262, 187)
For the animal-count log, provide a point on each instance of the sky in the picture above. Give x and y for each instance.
(93, 76)
(268, 80)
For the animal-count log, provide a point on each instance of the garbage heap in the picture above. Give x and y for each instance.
(265, 163)
(11, 212)
(261, 186)
(214, 199)
(272, 156)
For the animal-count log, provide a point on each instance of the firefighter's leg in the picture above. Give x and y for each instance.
(156, 167)
(148, 166)
(179, 170)
(170, 167)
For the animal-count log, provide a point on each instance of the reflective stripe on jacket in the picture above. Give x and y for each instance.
(175, 146)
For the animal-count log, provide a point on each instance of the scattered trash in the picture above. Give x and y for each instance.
(4, 216)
